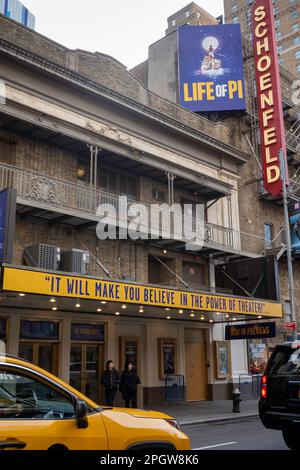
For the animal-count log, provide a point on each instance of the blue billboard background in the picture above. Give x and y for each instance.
(211, 68)
(295, 228)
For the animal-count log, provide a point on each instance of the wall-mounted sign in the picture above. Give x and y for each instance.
(87, 332)
(258, 356)
(222, 359)
(167, 357)
(269, 99)
(290, 325)
(211, 68)
(294, 212)
(129, 347)
(251, 331)
(60, 285)
(7, 224)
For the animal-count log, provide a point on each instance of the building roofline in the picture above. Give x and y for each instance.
(188, 5)
(35, 60)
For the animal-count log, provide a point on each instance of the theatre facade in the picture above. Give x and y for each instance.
(78, 131)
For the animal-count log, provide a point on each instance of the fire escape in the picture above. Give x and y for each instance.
(291, 110)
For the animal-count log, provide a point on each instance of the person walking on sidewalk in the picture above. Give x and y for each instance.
(110, 380)
(128, 385)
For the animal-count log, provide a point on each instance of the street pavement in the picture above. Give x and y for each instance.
(242, 434)
(208, 411)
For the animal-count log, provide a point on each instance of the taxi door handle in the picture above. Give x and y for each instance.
(12, 445)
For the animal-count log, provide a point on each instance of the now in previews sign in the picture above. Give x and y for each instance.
(269, 99)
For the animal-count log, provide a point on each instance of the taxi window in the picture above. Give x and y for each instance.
(24, 397)
(285, 362)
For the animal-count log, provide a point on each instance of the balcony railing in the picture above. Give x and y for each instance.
(53, 194)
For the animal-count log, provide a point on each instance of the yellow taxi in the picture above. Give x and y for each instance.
(38, 411)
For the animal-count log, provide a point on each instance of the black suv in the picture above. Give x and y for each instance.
(279, 406)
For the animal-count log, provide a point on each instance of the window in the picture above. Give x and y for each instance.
(281, 61)
(198, 14)
(187, 14)
(297, 54)
(286, 361)
(298, 68)
(268, 235)
(118, 183)
(277, 23)
(234, 8)
(235, 19)
(296, 41)
(39, 330)
(279, 49)
(278, 35)
(173, 22)
(110, 181)
(158, 195)
(294, 15)
(24, 397)
(276, 10)
(295, 27)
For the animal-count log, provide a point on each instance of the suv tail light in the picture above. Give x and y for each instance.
(263, 387)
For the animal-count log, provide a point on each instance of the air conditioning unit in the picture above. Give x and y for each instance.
(42, 256)
(74, 261)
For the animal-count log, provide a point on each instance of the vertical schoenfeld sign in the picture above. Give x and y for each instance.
(269, 99)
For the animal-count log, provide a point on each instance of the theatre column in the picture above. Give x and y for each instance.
(111, 351)
(64, 350)
(13, 334)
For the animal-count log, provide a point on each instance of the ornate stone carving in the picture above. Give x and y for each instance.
(41, 189)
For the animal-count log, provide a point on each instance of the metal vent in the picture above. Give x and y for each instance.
(42, 256)
(74, 261)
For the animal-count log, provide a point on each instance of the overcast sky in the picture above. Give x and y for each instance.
(122, 29)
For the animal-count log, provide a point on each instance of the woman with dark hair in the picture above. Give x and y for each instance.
(128, 385)
(110, 380)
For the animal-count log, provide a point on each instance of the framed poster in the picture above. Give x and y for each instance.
(129, 350)
(167, 357)
(258, 356)
(222, 359)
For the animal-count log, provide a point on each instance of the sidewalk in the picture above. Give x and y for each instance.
(208, 411)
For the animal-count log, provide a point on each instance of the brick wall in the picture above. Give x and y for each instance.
(45, 159)
(284, 24)
(254, 212)
(122, 259)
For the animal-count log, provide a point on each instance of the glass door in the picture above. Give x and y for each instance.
(86, 363)
(42, 354)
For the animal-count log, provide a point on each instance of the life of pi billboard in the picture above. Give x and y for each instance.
(211, 68)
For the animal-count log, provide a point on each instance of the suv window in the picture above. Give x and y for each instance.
(285, 362)
(23, 397)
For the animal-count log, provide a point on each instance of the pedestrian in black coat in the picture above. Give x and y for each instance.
(128, 385)
(110, 380)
